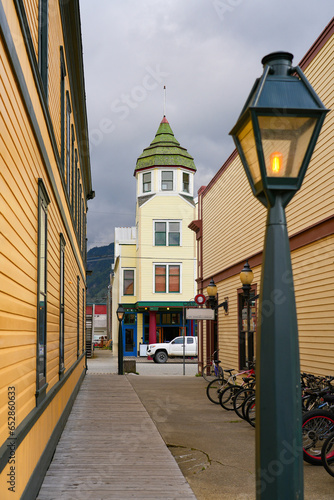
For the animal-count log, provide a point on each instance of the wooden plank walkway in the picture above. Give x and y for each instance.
(111, 449)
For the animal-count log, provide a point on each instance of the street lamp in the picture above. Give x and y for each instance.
(275, 136)
(120, 315)
(246, 278)
(212, 300)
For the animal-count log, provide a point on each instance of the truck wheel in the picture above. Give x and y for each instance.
(161, 357)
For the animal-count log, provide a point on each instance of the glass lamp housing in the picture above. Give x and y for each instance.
(277, 130)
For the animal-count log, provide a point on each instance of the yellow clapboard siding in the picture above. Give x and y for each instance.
(31, 8)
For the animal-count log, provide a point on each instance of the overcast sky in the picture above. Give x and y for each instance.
(207, 53)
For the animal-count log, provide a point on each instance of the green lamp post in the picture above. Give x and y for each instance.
(120, 315)
(275, 136)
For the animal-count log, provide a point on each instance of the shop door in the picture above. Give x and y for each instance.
(130, 340)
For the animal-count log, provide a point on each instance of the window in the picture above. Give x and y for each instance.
(167, 278)
(167, 181)
(83, 320)
(61, 306)
(129, 319)
(72, 167)
(62, 108)
(190, 340)
(128, 281)
(167, 233)
(43, 43)
(68, 142)
(147, 182)
(43, 201)
(78, 317)
(185, 183)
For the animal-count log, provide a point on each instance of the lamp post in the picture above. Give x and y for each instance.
(120, 315)
(246, 278)
(275, 136)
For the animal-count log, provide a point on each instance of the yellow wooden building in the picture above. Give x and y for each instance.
(230, 229)
(155, 261)
(45, 180)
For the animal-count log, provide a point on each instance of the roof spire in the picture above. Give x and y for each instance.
(164, 101)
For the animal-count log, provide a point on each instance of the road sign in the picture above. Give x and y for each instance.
(200, 299)
(196, 313)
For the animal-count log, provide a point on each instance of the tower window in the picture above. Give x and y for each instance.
(167, 181)
(146, 182)
(185, 183)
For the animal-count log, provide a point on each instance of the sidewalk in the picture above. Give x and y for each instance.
(110, 448)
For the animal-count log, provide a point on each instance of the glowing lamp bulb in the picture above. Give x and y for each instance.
(276, 160)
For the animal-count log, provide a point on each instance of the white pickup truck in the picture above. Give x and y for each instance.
(160, 352)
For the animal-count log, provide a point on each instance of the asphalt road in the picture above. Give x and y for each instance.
(215, 450)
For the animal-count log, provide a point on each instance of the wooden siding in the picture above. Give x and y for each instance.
(165, 208)
(313, 269)
(29, 151)
(30, 450)
(230, 213)
(31, 8)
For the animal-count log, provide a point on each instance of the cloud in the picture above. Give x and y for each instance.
(207, 52)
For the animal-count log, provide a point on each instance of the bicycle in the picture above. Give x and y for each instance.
(217, 385)
(227, 394)
(212, 370)
(327, 454)
(317, 426)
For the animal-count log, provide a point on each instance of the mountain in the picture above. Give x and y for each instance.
(99, 260)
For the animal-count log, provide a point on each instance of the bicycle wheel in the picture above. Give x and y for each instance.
(317, 425)
(250, 410)
(227, 395)
(327, 454)
(245, 406)
(213, 389)
(240, 398)
(209, 373)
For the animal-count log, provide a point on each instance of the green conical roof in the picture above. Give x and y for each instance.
(165, 150)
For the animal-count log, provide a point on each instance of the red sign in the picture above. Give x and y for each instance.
(200, 299)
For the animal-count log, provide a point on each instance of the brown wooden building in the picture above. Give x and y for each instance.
(230, 229)
(45, 180)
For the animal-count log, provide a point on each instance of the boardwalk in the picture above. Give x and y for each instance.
(110, 449)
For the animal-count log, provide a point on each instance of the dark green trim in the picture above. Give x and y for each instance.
(36, 479)
(163, 305)
(18, 71)
(25, 426)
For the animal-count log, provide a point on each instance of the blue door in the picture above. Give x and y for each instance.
(130, 340)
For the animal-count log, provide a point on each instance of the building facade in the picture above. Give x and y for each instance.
(230, 230)
(155, 261)
(45, 184)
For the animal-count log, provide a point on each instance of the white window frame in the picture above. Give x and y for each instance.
(167, 264)
(167, 191)
(167, 221)
(142, 182)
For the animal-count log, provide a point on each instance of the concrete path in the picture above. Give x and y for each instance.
(110, 449)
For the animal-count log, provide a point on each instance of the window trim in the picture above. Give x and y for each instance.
(43, 202)
(167, 221)
(43, 24)
(123, 281)
(184, 190)
(68, 142)
(62, 307)
(78, 316)
(62, 108)
(167, 275)
(144, 183)
(173, 181)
